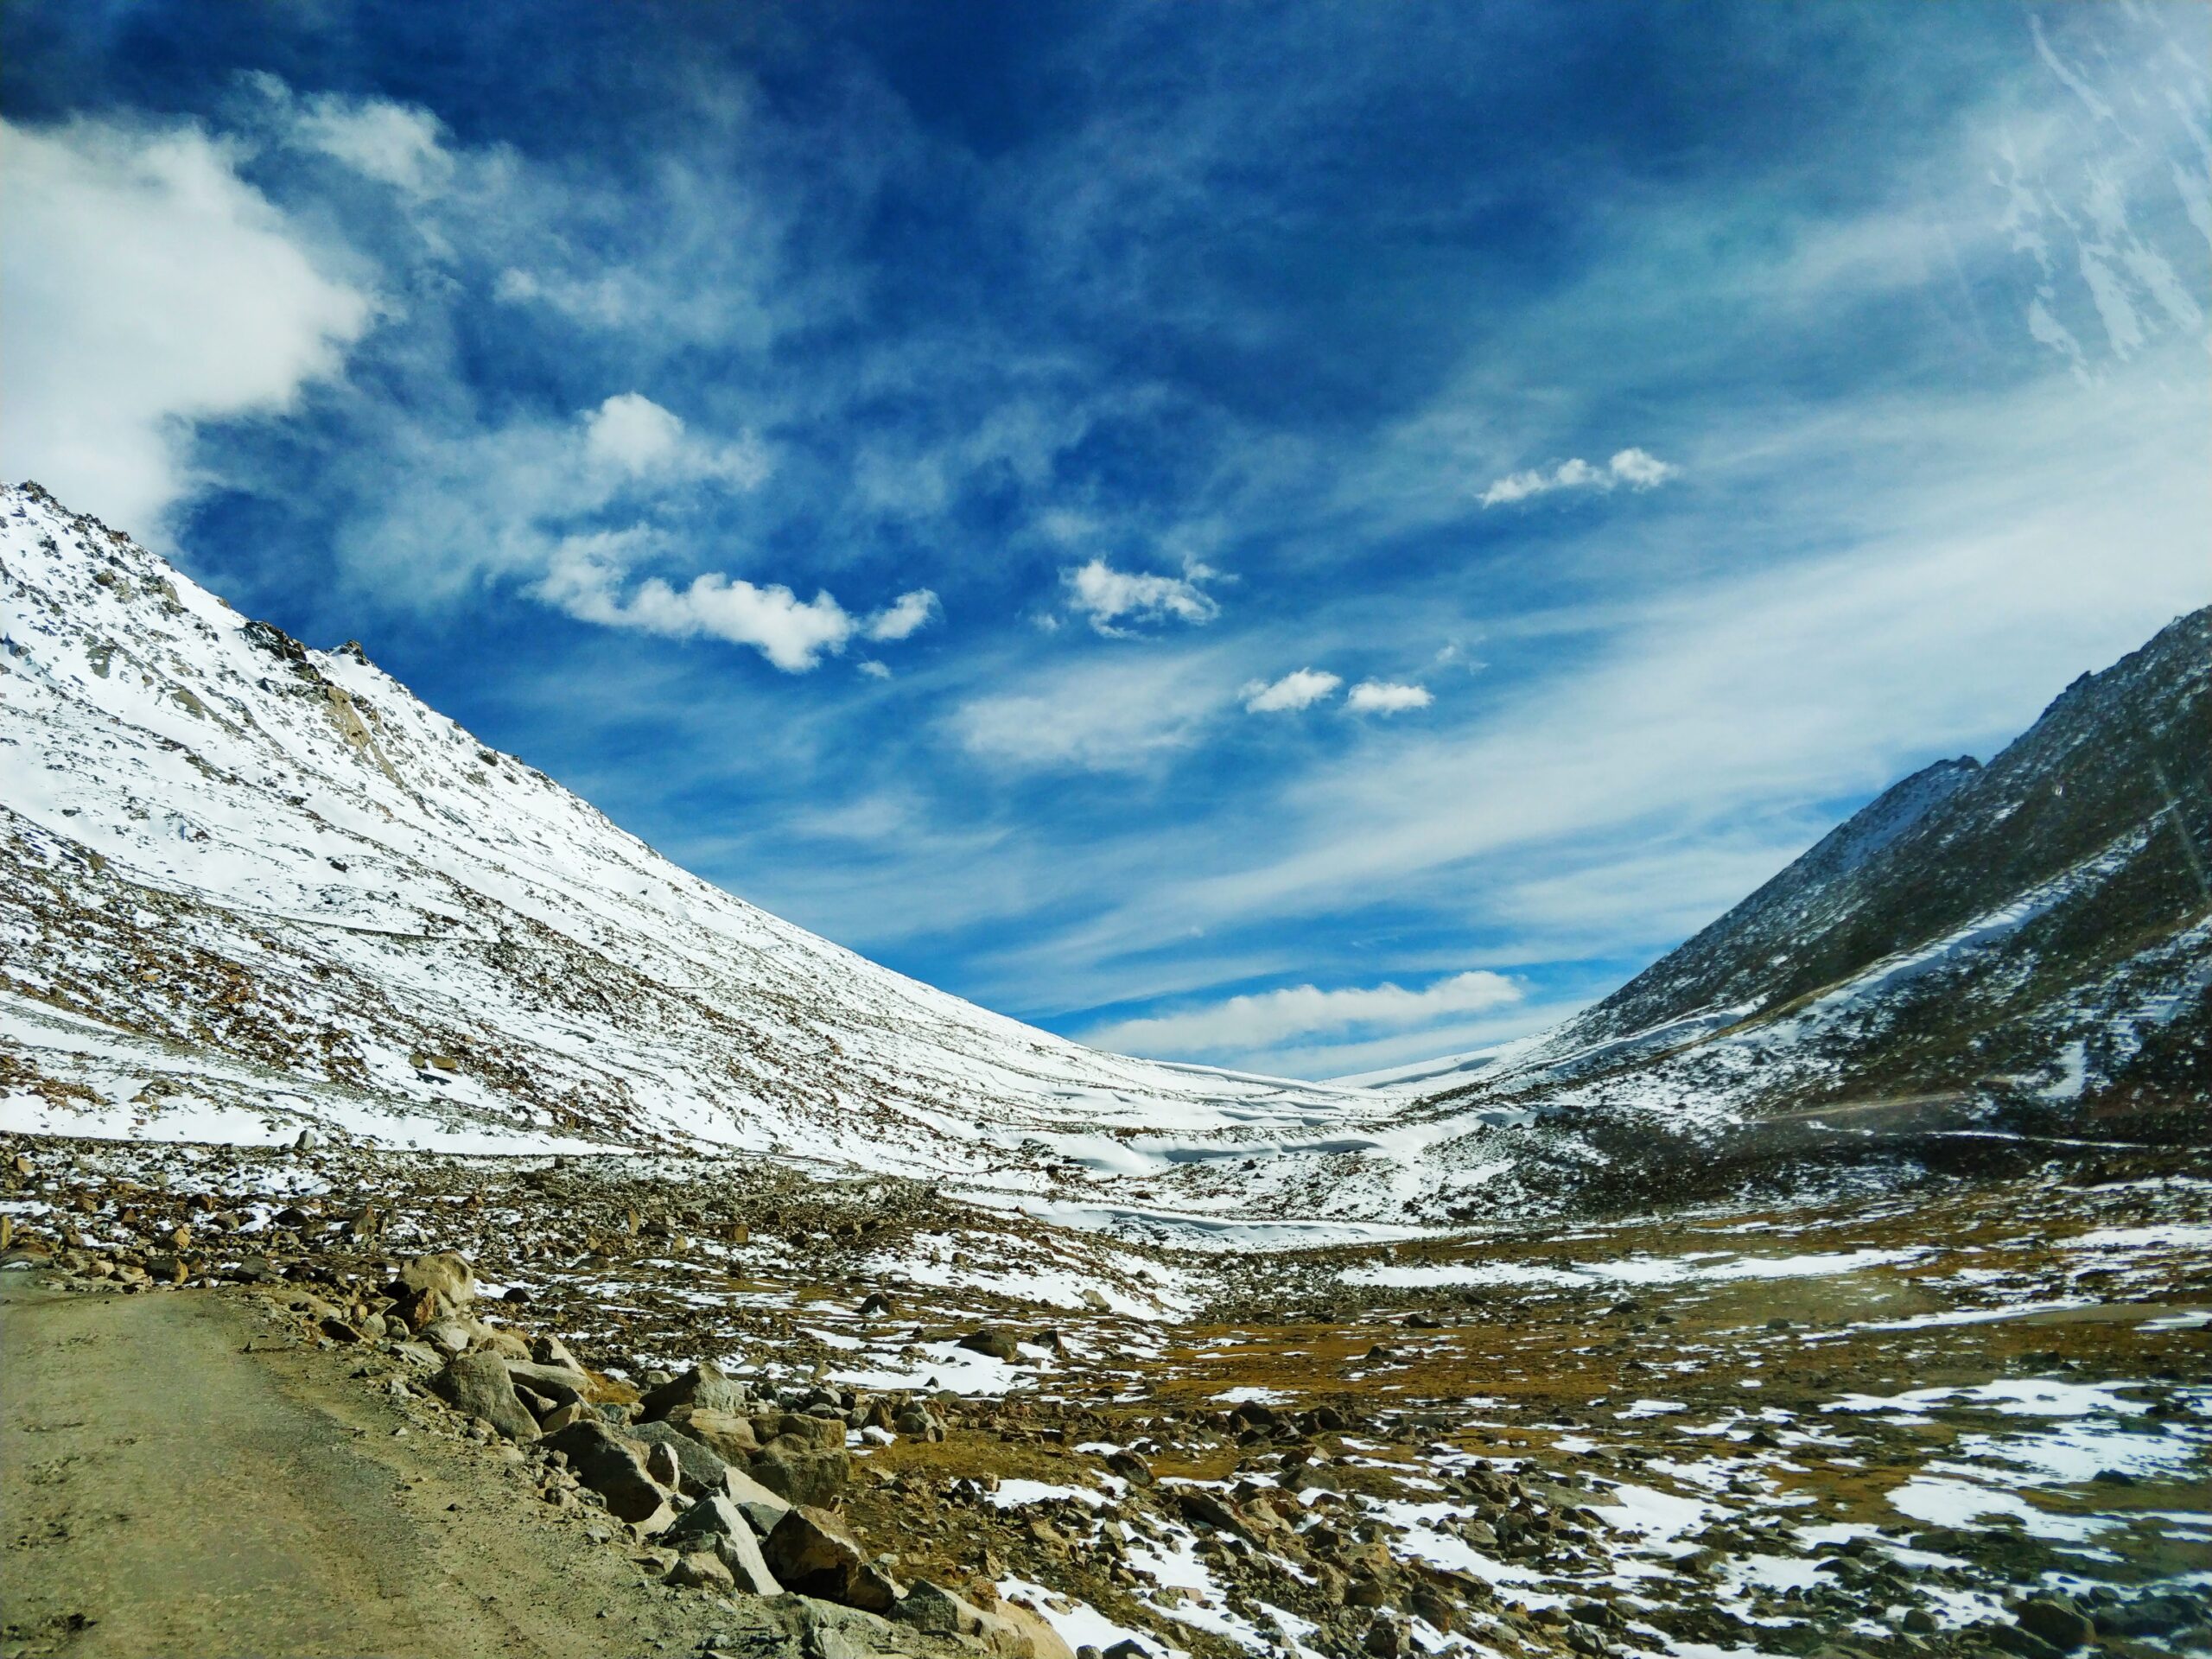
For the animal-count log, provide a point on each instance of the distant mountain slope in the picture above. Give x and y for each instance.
(2025, 927)
(246, 887)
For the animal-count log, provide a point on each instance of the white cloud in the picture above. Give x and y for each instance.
(148, 287)
(633, 432)
(1637, 468)
(1101, 715)
(393, 143)
(871, 669)
(1300, 690)
(904, 616)
(634, 435)
(588, 571)
(1271, 1017)
(1107, 595)
(1382, 697)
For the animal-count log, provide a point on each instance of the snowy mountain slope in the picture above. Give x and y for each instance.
(2022, 930)
(246, 886)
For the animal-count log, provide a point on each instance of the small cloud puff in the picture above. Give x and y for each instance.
(1301, 689)
(632, 434)
(904, 616)
(1108, 597)
(1637, 468)
(1255, 1021)
(871, 669)
(1382, 697)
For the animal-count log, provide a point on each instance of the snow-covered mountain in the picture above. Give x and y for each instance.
(2035, 930)
(246, 887)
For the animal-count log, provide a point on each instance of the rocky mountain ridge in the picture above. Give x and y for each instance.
(2036, 930)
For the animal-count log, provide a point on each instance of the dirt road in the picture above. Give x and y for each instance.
(176, 1480)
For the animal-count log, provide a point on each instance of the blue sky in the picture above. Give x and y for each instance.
(1300, 537)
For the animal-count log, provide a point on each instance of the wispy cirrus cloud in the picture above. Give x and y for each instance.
(1267, 1019)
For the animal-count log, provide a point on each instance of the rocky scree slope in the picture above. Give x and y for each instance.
(2036, 931)
(246, 887)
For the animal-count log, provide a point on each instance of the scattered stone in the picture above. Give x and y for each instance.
(448, 1275)
(614, 1470)
(702, 1569)
(2056, 1620)
(717, 1524)
(994, 1340)
(477, 1384)
(811, 1553)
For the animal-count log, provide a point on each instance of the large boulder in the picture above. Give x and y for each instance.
(448, 1275)
(1040, 1639)
(562, 1387)
(1003, 1629)
(802, 1426)
(477, 1383)
(725, 1434)
(702, 1569)
(800, 1473)
(613, 1468)
(810, 1552)
(994, 1341)
(716, 1523)
(763, 1508)
(699, 1471)
(705, 1387)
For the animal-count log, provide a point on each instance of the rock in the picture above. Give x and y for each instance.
(800, 1473)
(916, 1423)
(2013, 1639)
(695, 1470)
(420, 1309)
(994, 1340)
(702, 1569)
(2055, 1620)
(448, 1275)
(549, 1349)
(562, 1387)
(448, 1336)
(1043, 1642)
(936, 1612)
(477, 1384)
(801, 1427)
(704, 1387)
(829, 1631)
(810, 1552)
(661, 1465)
(876, 1305)
(763, 1508)
(718, 1525)
(1204, 1509)
(1131, 1467)
(614, 1469)
(725, 1434)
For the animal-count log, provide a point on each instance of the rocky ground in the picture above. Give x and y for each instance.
(1960, 1417)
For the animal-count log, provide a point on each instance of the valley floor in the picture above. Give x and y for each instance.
(1960, 1417)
